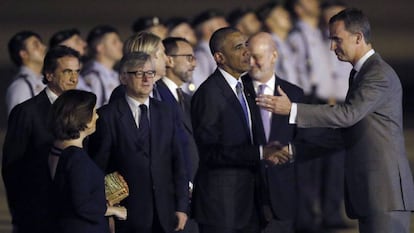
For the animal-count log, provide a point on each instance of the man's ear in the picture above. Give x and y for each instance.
(49, 77)
(24, 54)
(123, 78)
(219, 58)
(170, 62)
(359, 37)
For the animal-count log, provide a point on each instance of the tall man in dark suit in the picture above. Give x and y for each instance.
(27, 143)
(379, 186)
(137, 136)
(228, 138)
(180, 67)
(279, 181)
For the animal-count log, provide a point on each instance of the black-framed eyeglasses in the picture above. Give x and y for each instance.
(189, 57)
(141, 74)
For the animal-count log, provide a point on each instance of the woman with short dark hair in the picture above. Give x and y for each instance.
(79, 191)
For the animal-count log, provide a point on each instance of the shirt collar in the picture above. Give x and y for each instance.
(269, 84)
(51, 95)
(133, 103)
(363, 59)
(172, 86)
(232, 81)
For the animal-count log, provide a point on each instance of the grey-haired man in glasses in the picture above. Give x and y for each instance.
(136, 135)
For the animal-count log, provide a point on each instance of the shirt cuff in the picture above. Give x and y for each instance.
(293, 113)
(261, 152)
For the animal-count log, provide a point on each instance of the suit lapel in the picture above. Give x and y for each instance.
(230, 97)
(168, 97)
(257, 124)
(156, 125)
(129, 127)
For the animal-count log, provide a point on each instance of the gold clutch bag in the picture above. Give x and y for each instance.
(116, 188)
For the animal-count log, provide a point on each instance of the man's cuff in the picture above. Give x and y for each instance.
(261, 152)
(293, 113)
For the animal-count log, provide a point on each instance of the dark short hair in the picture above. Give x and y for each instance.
(290, 6)
(174, 22)
(205, 16)
(171, 44)
(17, 43)
(96, 35)
(50, 61)
(70, 114)
(143, 23)
(218, 38)
(264, 11)
(133, 59)
(330, 3)
(355, 21)
(62, 35)
(236, 15)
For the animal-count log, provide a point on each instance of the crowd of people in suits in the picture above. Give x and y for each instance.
(242, 123)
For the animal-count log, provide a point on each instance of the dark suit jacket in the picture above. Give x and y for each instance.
(157, 176)
(377, 172)
(79, 194)
(25, 173)
(227, 177)
(280, 180)
(191, 151)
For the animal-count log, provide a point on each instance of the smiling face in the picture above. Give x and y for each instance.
(263, 57)
(65, 76)
(234, 57)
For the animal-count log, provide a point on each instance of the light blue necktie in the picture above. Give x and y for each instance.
(239, 91)
(264, 113)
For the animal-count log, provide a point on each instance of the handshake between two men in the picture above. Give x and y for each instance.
(274, 151)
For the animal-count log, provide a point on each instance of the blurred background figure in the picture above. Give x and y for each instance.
(151, 24)
(276, 20)
(105, 50)
(180, 27)
(244, 20)
(27, 51)
(72, 39)
(205, 24)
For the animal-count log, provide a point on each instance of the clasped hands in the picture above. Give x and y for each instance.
(276, 153)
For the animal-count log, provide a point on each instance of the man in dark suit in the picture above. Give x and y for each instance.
(27, 143)
(379, 186)
(279, 181)
(137, 136)
(228, 138)
(180, 67)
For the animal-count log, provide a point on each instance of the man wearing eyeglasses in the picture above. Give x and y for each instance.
(180, 66)
(28, 141)
(137, 136)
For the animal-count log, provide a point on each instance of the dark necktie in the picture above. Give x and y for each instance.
(155, 93)
(351, 77)
(180, 98)
(264, 113)
(239, 91)
(144, 127)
